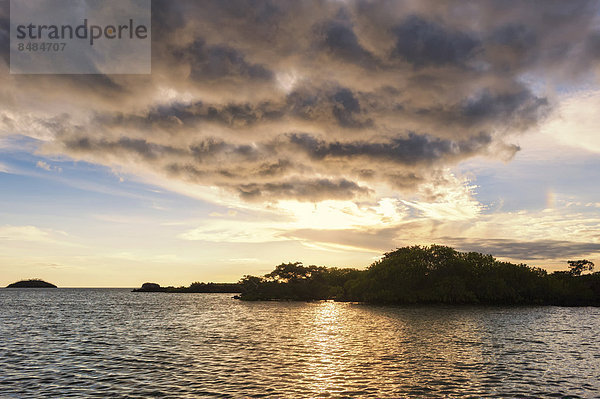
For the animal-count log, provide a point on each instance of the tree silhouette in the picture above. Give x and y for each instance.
(579, 266)
(294, 272)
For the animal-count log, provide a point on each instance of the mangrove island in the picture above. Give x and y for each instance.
(32, 283)
(430, 275)
(433, 274)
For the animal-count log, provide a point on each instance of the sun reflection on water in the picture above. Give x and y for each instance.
(326, 335)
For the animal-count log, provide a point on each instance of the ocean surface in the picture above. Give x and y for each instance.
(113, 343)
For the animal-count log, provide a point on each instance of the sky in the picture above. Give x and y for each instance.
(327, 132)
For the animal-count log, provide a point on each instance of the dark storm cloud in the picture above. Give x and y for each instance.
(302, 190)
(218, 61)
(179, 115)
(543, 37)
(275, 99)
(516, 42)
(411, 150)
(487, 106)
(517, 37)
(295, 165)
(345, 107)
(592, 45)
(338, 105)
(338, 38)
(168, 17)
(207, 150)
(423, 43)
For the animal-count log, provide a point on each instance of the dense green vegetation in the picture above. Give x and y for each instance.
(194, 287)
(33, 283)
(434, 274)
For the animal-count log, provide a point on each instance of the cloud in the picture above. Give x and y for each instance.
(232, 232)
(380, 96)
(546, 238)
(424, 43)
(526, 250)
(311, 190)
(337, 38)
(47, 167)
(410, 150)
(43, 165)
(30, 233)
(289, 166)
(576, 121)
(217, 62)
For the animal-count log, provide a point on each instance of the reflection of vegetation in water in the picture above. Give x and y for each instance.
(435, 274)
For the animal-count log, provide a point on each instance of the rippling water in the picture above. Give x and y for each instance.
(110, 342)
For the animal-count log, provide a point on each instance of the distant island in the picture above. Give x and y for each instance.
(228, 288)
(33, 283)
(433, 274)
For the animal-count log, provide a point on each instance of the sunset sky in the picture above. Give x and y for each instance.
(327, 132)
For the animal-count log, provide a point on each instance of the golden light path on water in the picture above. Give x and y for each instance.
(326, 336)
(90, 342)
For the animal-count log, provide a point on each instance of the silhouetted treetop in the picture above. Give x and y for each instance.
(579, 266)
(293, 272)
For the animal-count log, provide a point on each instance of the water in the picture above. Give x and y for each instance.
(114, 343)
